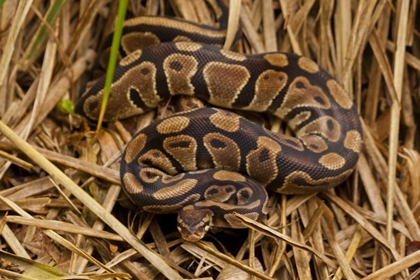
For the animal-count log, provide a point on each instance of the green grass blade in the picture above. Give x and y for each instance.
(122, 8)
(1, 3)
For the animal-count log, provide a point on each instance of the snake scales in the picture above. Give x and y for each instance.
(209, 163)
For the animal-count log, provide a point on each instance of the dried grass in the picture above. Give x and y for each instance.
(49, 225)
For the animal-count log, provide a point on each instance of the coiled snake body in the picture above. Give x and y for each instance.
(210, 162)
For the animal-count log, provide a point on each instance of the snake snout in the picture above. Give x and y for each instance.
(193, 224)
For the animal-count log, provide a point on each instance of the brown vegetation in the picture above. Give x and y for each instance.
(361, 229)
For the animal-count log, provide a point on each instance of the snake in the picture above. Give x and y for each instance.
(207, 164)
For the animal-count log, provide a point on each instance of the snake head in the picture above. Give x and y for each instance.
(193, 224)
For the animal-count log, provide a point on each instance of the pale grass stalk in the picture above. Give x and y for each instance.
(398, 72)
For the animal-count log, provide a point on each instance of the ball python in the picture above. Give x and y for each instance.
(208, 163)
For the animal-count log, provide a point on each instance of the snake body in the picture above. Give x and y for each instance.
(209, 163)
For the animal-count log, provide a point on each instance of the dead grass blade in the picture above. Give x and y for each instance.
(35, 270)
(94, 206)
(274, 234)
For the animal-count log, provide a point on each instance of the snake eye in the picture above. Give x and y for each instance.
(193, 224)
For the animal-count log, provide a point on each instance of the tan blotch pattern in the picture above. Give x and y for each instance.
(315, 143)
(224, 175)
(277, 59)
(178, 71)
(219, 193)
(223, 150)
(307, 184)
(181, 38)
(139, 79)
(308, 65)
(298, 119)
(171, 208)
(184, 149)
(261, 163)
(225, 82)
(267, 88)
(169, 179)
(188, 46)
(132, 184)
(291, 142)
(134, 147)
(177, 189)
(198, 171)
(131, 58)
(233, 55)
(157, 159)
(353, 141)
(325, 125)
(174, 24)
(173, 125)
(244, 195)
(225, 120)
(143, 78)
(339, 94)
(138, 40)
(150, 175)
(332, 161)
(302, 94)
